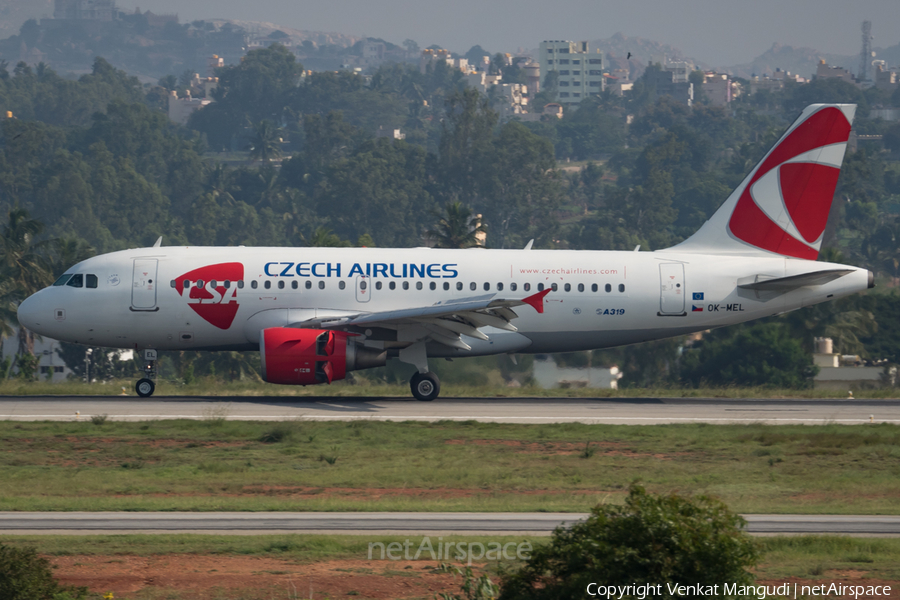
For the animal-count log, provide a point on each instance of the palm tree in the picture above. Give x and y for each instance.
(457, 228)
(266, 142)
(24, 268)
(68, 252)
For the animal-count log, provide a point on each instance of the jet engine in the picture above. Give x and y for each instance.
(310, 356)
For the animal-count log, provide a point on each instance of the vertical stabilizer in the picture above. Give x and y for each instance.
(782, 206)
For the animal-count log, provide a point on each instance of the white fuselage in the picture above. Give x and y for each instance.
(602, 299)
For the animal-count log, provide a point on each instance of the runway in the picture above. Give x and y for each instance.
(247, 523)
(631, 411)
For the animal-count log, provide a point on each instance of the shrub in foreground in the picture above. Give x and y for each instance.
(26, 576)
(650, 539)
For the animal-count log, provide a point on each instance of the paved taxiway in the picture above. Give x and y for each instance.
(244, 523)
(502, 410)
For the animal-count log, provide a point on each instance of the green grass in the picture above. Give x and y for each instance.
(807, 557)
(216, 464)
(215, 387)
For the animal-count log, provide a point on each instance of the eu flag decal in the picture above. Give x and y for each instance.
(696, 308)
(698, 295)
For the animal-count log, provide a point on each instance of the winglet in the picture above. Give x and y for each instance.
(537, 300)
(158, 242)
(529, 245)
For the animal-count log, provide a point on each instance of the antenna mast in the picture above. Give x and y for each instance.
(866, 55)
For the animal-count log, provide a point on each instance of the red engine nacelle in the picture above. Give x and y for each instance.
(303, 356)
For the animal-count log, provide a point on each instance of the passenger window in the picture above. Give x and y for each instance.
(446, 285)
(405, 285)
(186, 284)
(281, 284)
(513, 287)
(377, 285)
(267, 284)
(580, 287)
(213, 284)
(363, 285)
(621, 287)
(393, 285)
(199, 283)
(254, 284)
(555, 287)
(527, 287)
(321, 285)
(418, 285)
(568, 287)
(342, 285)
(499, 287)
(77, 281)
(241, 284)
(172, 284)
(608, 288)
(227, 284)
(62, 279)
(487, 286)
(594, 287)
(294, 285)
(540, 287)
(91, 281)
(432, 286)
(473, 286)
(308, 284)
(459, 285)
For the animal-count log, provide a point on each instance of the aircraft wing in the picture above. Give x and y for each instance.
(442, 322)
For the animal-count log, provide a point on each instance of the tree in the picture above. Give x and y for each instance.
(763, 354)
(649, 539)
(26, 576)
(266, 142)
(457, 228)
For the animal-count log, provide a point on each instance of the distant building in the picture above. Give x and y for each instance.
(394, 134)
(580, 71)
(845, 372)
(430, 57)
(50, 366)
(825, 71)
(774, 82)
(665, 85)
(548, 375)
(720, 90)
(85, 10)
(181, 109)
(885, 78)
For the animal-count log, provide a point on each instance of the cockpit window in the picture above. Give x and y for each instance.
(62, 279)
(91, 281)
(76, 281)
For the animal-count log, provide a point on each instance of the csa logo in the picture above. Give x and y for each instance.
(215, 305)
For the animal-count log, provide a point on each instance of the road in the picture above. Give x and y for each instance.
(246, 523)
(501, 410)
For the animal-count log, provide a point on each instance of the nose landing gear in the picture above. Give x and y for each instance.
(146, 386)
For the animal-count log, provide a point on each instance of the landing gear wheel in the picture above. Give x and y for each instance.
(145, 387)
(425, 386)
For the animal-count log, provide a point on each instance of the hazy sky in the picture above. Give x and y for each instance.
(718, 32)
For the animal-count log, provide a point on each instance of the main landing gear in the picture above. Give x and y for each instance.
(425, 386)
(146, 386)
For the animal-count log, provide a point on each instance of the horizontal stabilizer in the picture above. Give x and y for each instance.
(785, 284)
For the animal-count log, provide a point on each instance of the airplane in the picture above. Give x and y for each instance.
(316, 314)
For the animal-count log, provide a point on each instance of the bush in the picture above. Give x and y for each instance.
(652, 539)
(26, 576)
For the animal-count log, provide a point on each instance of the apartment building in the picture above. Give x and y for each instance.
(580, 71)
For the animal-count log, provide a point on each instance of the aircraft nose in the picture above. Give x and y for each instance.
(31, 313)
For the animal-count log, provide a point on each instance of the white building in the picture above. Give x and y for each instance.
(50, 366)
(580, 71)
(548, 375)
